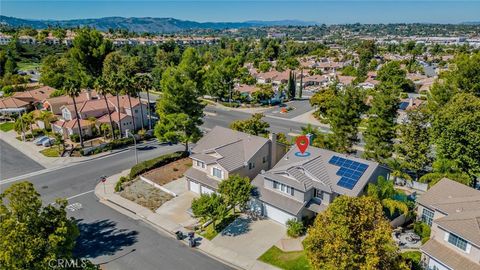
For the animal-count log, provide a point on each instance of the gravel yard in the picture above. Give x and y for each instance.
(145, 195)
(169, 172)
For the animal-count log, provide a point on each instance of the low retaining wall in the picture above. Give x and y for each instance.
(158, 186)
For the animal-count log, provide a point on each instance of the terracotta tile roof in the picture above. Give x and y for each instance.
(106, 120)
(245, 88)
(39, 94)
(12, 102)
(73, 123)
(345, 80)
(123, 101)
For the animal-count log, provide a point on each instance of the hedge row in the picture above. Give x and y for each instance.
(148, 165)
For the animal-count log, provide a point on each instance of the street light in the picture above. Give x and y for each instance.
(134, 144)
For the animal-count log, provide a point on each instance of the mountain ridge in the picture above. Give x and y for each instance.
(144, 24)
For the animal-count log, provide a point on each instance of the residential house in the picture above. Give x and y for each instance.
(5, 39)
(55, 104)
(452, 210)
(27, 40)
(303, 185)
(36, 97)
(224, 152)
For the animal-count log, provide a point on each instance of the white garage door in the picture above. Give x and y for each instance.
(277, 214)
(194, 187)
(206, 190)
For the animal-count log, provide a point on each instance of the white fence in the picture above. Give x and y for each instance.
(158, 186)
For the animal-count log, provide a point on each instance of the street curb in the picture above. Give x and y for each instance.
(107, 201)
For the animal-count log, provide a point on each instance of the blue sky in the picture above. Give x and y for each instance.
(321, 11)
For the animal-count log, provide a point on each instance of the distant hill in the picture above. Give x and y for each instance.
(147, 24)
(472, 23)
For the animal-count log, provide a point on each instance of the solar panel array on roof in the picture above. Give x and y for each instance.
(350, 171)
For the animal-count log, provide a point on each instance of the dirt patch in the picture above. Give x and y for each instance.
(145, 195)
(169, 172)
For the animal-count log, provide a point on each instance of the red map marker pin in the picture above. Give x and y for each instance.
(302, 143)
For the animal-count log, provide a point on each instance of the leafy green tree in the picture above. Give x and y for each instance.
(192, 65)
(413, 148)
(323, 99)
(384, 191)
(344, 118)
(254, 125)
(180, 109)
(52, 70)
(381, 125)
(444, 168)
(31, 234)
(116, 74)
(456, 132)
(352, 234)
(210, 207)
(393, 76)
(465, 74)
(264, 92)
(220, 78)
(89, 51)
(236, 191)
(291, 86)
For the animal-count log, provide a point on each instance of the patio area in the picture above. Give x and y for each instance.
(407, 239)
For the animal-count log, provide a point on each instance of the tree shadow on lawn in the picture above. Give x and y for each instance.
(240, 226)
(101, 237)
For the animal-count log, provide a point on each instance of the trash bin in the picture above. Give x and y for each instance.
(191, 242)
(179, 235)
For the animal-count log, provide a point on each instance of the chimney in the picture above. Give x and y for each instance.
(273, 149)
(88, 93)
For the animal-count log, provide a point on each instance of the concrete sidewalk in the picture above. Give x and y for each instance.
(33, 151)
(106, 193)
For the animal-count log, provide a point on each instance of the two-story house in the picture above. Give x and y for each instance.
(224, 152)
(452, 210)
(302, 185)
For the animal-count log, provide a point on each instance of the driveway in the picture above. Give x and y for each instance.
(250, 238)
(175, 210)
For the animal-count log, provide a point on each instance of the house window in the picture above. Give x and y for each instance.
(317, 193)
(217, 173)
(200, 164)
(457, 241)
(283, 188)
(264, 159)
(251, 165)
(136, 111)
(427, 216)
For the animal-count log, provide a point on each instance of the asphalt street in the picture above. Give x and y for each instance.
(13, 162)
(107, 236)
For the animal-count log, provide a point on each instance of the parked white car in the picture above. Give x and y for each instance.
(48, 142)
(40, 140)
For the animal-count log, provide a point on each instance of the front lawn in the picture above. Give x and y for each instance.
(54, 151)
(28, 65)
(296, 260)
(7, 126)
(211, 231)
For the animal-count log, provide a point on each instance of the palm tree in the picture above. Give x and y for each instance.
(130, 90)
(72, 88)
(143, 82)
(47, 117)
(102, 89)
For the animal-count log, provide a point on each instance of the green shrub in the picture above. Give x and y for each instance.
(120, 182)
(403, 95)
(118, 143)
(38, 132)
(423, 230)
(75, 138)
(155, 163)
(295, 228)
(412, 258)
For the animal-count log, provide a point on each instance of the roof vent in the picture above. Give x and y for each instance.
(262, 171)
(459, 210)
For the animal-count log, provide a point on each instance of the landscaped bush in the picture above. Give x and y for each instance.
(75, 138)
(403, 95)
(118, 143)
(155, 163)
(119, 184)
(422, 229)
(295, 228)
(38, 132)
